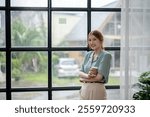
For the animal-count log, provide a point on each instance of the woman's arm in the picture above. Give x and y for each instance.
(98, 77)
(83, 75)
(87, 77)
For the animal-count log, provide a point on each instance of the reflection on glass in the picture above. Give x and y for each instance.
(29, 33)
(2, 70)
(106, 3)
(29, 96)
(29, 3)
(65, 95)
(65, 67)
(2, 2)
(109, 24)
(69, 29)
(2, 96)
(29, 69)
(69, 3)
(2, 29)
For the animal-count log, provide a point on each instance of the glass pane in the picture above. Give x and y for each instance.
(29, 33)
(69, 3)
(114, 75)
(2, 2)
(65, 95)
(2, 70)
(2, 96)
(2, 29)
(29, 3)
(29, 69)
(69, 29)
(106, 3)
(113, 94)
(29, 96)
(65, 67)
(109, 23)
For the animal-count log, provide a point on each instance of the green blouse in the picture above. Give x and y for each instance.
(102, 62)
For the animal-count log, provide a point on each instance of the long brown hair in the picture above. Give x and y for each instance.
(98, 35)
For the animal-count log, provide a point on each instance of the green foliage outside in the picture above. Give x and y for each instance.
(24, 62)
(16, 69)
(23, 35)
(2, 57)
(36, 78)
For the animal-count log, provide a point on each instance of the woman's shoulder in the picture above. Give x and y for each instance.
(106, 53)
(89, 53)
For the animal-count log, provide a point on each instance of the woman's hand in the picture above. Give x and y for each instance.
(91, 75)
(92, 72)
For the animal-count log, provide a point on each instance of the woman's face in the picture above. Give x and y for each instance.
(94, 43)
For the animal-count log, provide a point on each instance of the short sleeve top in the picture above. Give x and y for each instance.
(103, 63)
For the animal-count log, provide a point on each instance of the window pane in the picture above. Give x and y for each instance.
(106, 3)
(69, 3)
(65, 95)
(113, 94)
(2, 29)
(65, 67)
(114, 75)
(29, 3)
(2, 96)
(2, 2)
(29, 69)
(2, 70)
(109, 23)
(29, 33)
(69, 29)
(29, 96)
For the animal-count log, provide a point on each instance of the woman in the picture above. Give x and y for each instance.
(93, 87)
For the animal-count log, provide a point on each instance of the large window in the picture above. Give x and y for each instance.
(43, 43)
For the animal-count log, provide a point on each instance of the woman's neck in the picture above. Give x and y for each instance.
(96, 52)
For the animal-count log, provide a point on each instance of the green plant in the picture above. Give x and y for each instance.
(16, 69)
(144, 85)
(16, 74)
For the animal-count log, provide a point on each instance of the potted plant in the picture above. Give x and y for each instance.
(144, 87)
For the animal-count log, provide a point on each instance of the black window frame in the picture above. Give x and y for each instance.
(8, 49)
